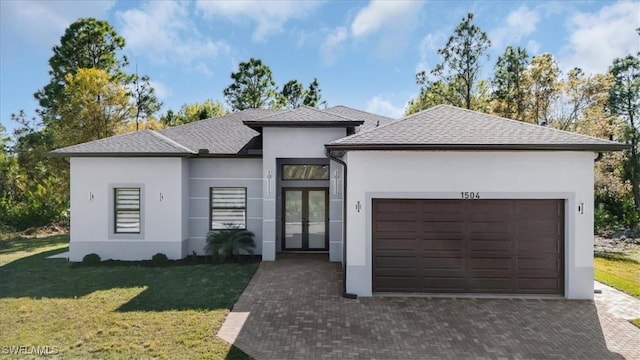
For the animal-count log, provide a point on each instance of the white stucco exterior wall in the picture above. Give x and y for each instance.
(281, 142)
(163, 210)
(495, 175)
(206, 173)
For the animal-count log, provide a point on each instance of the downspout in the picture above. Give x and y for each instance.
(345, 294)
(598, 157)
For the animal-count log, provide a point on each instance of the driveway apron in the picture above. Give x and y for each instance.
(292, 309)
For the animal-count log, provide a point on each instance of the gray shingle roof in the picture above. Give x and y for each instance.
(143, 143)
(304, 115)
(447, 127)
(222, 135)
(370, 120)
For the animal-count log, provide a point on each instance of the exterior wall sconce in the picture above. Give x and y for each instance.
(358, 206)
(269, 176)
(90, 196)
(335, 179)
(161, 197)
(581, 208)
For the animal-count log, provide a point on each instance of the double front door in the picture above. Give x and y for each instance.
(305, 219)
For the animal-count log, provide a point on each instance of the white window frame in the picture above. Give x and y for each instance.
(112, 212)
(212, 208)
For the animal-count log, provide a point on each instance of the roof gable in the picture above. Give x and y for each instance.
(446, 127)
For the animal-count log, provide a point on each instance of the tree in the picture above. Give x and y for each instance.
(624, 101)
(87, 43)
(292, 94)
(583, 104)
(545, 87)
(432, 94)
(312, 96)
(194, 112)
(511, 84)
(253, 86)
(462, 58)
(144, 98)
(4, 142)
(94, 107)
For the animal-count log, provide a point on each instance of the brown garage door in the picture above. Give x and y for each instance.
(468, 246)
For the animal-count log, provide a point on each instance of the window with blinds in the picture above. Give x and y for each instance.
(228, 207)
(127, 210)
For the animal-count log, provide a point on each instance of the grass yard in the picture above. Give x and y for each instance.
(620, 271)
(117, 311)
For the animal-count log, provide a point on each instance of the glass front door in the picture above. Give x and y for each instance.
(305, 219)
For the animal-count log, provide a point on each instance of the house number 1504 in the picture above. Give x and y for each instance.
(469, 195)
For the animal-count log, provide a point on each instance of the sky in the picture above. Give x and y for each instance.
(365, 54)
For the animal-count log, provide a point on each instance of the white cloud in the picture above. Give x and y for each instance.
(597, 38)
(384, 14)
(162, 90)
(533, 47)
(42, 23)
(391, 21)
(382, 106)
(428, 47)
(332, 43)
(163, 31)
(519, 23)
(269, 16)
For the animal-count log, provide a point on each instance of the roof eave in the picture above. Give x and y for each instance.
(479, 147)
(307, 124)
(116, 154)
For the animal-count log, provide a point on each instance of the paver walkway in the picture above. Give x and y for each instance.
(292, 309)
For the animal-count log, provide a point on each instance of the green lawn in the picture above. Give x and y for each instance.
(620, 271)
(120, 311)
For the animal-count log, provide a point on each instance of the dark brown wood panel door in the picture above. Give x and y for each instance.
(468, 246)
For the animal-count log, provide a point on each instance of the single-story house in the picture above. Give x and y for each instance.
(445, 200)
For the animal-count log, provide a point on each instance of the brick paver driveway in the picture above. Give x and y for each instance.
(292, 309)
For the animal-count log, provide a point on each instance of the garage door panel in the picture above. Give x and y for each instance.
(401, 216)
(489, 227)
(396, 283)
(539, 243)
(490, 284)
(489, 263)
(385, 244)
(537, 264)
(539, 285)
(444, 262)
(443, 227)
(444, 284)
(396, 262)
(538, 228)
(450, 243)
(438, 217)
(475, 246)
(489, 245)
(396, 226)
(537, 209)
(391, 206)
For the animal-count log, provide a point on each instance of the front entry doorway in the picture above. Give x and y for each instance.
(305, 219)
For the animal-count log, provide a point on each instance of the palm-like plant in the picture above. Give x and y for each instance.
(227, 243)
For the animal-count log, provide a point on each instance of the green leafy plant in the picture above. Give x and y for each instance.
(91, 259)
(228, 243)
(159, 259)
